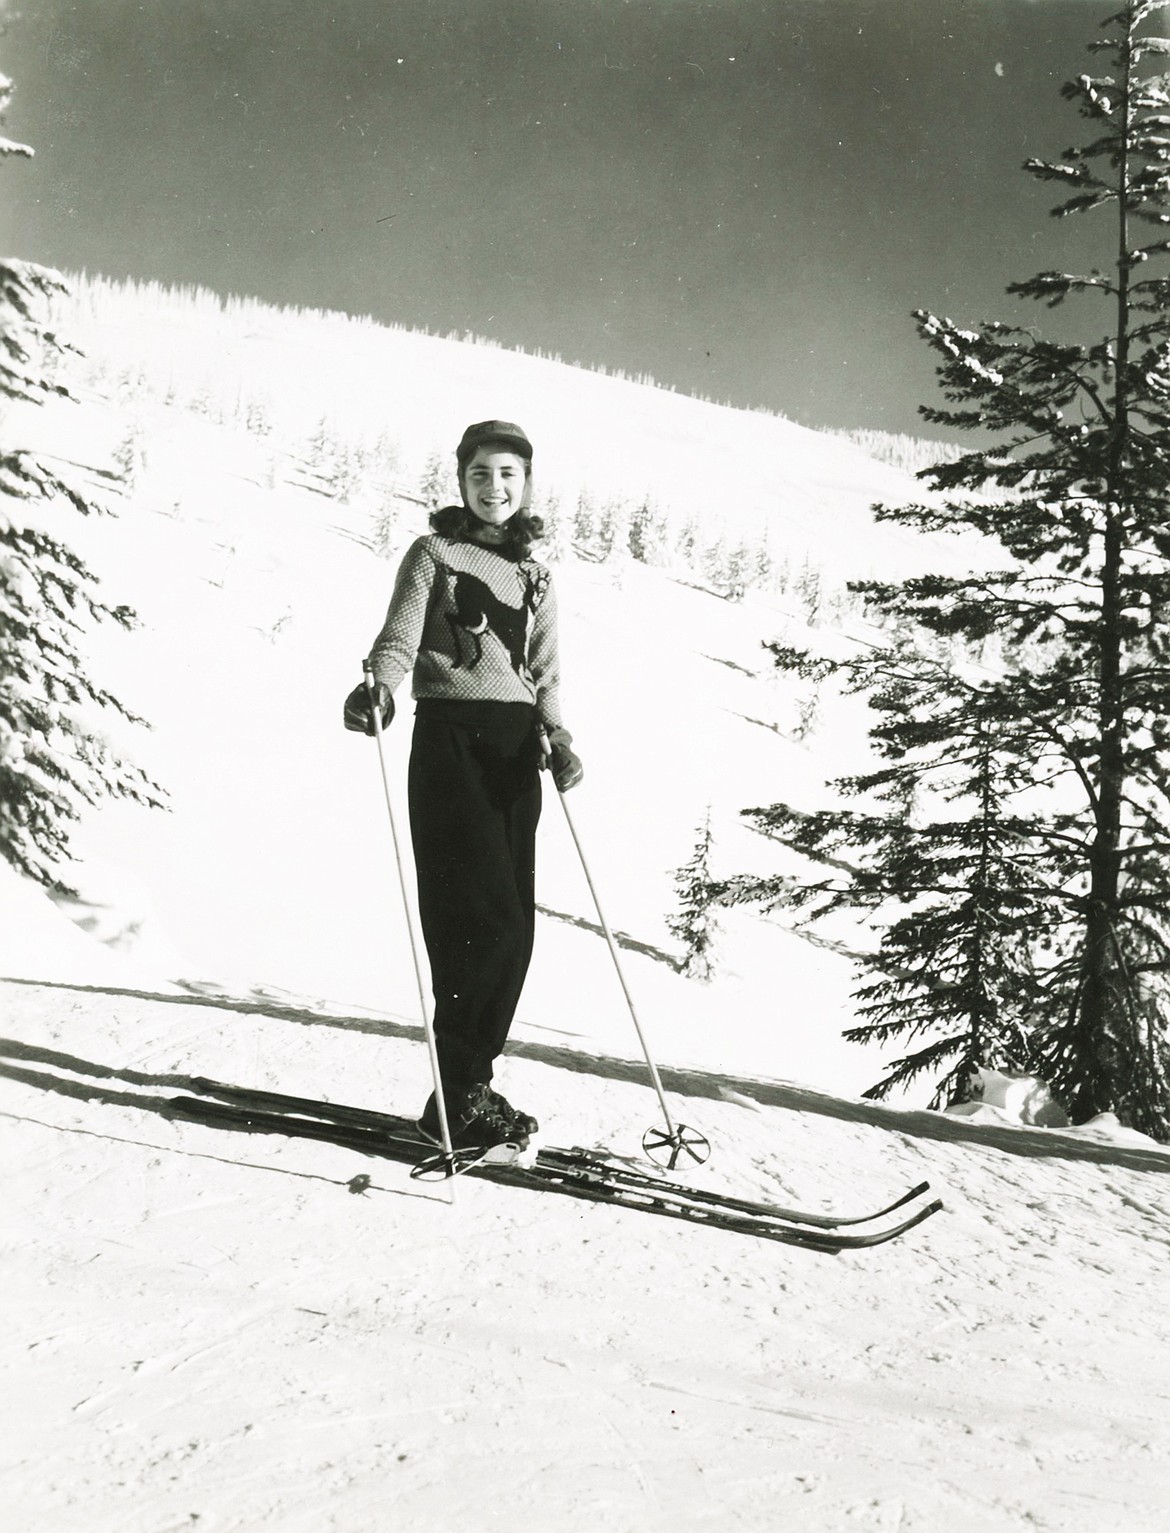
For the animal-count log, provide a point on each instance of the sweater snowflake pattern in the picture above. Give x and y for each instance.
(471, 626)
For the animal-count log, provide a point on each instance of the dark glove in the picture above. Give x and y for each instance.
(358, 714)
(564, 765)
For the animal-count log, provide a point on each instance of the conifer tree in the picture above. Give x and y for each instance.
(637, 532)
(738, 571)
(613, 542)
(957, 890)
(713, 562)
(385, 528)
(1063, 809)
(556, 546)
(647, 533)
(437, 486)
(695, 924)
(764, 570)
(584, 530)
(687, 545)
(53, 757)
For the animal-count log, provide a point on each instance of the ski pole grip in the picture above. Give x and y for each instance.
(375, 715)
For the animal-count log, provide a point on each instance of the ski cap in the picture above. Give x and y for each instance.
(503, 433)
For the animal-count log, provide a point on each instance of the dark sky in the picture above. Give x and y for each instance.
(743, 198)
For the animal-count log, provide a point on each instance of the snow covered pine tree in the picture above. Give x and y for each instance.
(1017, 850)
(51, 760)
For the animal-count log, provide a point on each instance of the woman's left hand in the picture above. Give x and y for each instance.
(562, 761)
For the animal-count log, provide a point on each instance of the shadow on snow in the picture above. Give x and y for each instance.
(702, 1084)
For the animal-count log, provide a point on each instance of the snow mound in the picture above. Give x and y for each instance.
(1010, 1096)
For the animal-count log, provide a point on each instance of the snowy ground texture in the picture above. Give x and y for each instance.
(210, 1331)
(207, 1330)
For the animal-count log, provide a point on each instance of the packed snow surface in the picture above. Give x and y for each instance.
(207, 1329)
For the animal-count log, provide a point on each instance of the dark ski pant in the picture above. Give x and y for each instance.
(474, 794)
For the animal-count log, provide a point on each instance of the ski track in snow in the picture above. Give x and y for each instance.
(218, 1335)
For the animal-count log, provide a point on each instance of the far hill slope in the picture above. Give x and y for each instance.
(266, 467)
(287, 377)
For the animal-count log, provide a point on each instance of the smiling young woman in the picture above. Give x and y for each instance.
(497, 485)
(473, 619)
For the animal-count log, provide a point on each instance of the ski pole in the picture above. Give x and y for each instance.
(428, 1025)
(676, 1139)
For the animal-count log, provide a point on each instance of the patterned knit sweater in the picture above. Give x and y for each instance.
(471, 626)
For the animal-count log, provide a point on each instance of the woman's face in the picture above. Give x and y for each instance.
(494, 482)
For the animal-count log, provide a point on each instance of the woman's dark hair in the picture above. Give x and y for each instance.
(522, 530)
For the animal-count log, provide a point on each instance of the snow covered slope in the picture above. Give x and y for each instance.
(259, 592)
(208, 1331)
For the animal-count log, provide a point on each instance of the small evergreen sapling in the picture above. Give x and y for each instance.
(695, 924)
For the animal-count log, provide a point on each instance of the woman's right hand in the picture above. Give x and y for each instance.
(359, 715)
